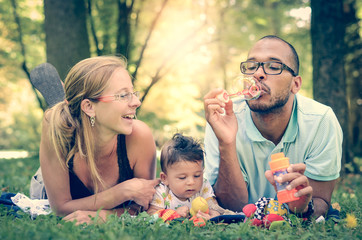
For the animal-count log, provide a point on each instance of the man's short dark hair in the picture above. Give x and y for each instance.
(294, 52)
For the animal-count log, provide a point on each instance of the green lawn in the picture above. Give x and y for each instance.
(15, 177)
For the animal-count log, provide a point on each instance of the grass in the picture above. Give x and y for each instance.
(15, 177)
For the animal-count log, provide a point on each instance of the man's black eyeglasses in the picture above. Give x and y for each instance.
(270, 68)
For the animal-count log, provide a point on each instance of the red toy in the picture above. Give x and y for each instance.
(267, 212)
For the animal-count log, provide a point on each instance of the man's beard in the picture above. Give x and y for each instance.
(275, 106)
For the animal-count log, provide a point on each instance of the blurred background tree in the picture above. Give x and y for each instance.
(177, 51)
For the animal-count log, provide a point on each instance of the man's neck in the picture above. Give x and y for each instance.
(273, 125)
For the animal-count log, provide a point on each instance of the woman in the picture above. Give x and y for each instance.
(94, 154)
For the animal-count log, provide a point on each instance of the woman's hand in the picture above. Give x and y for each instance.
(297, 180)
(87, 217)
(141, 191)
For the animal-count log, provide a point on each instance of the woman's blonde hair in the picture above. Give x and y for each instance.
(70, 127)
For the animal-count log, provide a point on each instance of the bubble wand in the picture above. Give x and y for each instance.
(246, 89)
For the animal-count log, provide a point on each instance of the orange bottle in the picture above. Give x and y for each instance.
(278, 165)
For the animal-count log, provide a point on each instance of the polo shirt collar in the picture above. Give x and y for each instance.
(290, 134)
(292, 129)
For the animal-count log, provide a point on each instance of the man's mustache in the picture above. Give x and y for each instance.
(263, 86)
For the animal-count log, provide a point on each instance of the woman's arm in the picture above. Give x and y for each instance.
(141, 151)
(56, 180)
(81, 216)
(55, 175)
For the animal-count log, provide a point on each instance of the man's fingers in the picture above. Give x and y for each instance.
(295, 178)
(229, 108)
(297, 167)
(307, 191)
(215, 108)
(299, 181)
(213, 102)
(213, 93)
(269, 176)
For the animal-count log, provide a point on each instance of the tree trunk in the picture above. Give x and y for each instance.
(328, 50)
(354, 74)
(66, 38)
(124, 29)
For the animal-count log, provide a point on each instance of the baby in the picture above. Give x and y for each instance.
(182, 165)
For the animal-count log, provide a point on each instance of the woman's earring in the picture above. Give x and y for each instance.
(92, 120)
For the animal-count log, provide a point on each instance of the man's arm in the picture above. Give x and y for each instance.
(324, 161)
(322, 195)
(230, 187)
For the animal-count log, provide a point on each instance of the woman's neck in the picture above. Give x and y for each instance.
(105, 149)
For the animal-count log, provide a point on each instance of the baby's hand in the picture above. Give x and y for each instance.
(183, 211)
(203, 215)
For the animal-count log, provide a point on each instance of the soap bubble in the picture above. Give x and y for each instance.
(243, 88)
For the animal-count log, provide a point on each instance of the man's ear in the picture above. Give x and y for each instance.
(163, 177)
(88, 108)
(297, 84)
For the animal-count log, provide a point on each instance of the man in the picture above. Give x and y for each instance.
(238, 145)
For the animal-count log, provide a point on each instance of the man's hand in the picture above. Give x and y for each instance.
(220, 116)
(297, 180)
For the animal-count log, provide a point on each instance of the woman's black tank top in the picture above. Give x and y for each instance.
(79, 190)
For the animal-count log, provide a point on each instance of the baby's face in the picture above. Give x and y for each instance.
(184, 178)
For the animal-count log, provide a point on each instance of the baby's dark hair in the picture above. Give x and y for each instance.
(181, 148)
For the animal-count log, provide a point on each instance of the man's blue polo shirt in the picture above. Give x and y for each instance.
(313, 136)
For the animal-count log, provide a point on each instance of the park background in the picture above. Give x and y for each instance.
(177, 51)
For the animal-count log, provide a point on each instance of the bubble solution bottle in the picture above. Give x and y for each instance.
(278, 165)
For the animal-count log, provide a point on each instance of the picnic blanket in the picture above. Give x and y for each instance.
(15, 202)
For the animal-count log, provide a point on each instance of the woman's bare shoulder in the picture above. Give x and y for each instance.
(141, 147)
(141, 129)
(46, 116)
(141, 136)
